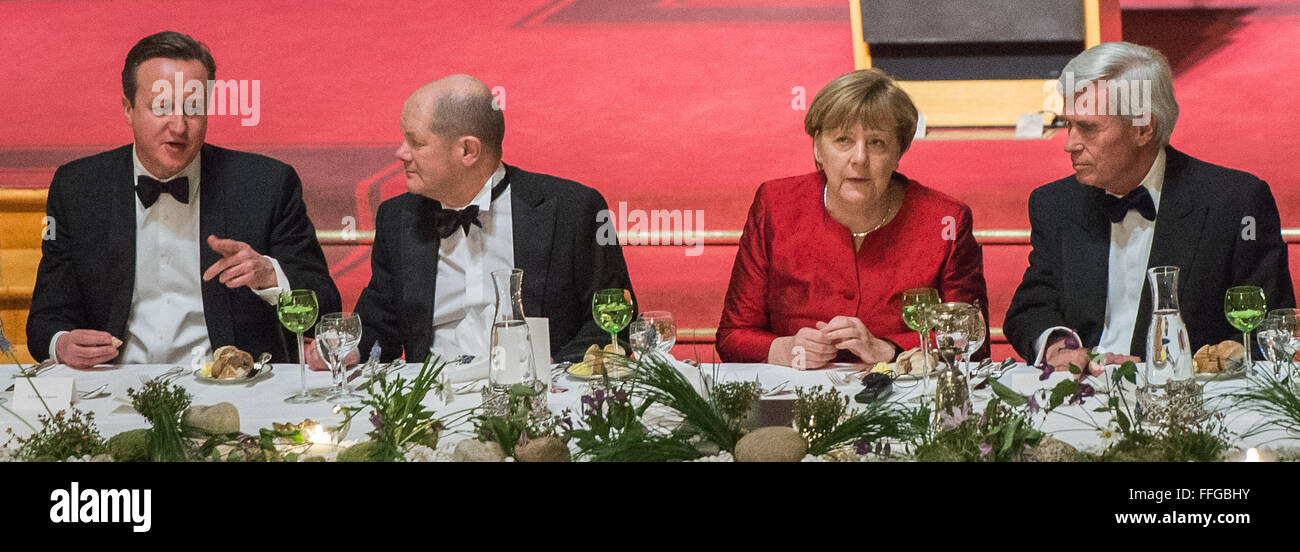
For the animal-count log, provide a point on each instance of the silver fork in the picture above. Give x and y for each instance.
(170, 375)
(94, 393)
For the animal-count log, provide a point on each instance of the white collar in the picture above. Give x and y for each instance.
(484, 198)
(1154, 181)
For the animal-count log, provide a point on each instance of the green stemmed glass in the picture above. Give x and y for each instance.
(916, 314)
(297, 310)
(1244, 306)
(612, 310)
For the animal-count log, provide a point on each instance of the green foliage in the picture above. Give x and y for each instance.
(162, 403)
(397, 413)
(1276, 401)
(817, 412)
(734, 399)
(612, 431)
(62, 436)
(1001, 434)
(130, 446)
(518, 425)
(655, 379)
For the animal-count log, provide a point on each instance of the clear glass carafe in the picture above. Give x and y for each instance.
(512, 349)
(1168, 370)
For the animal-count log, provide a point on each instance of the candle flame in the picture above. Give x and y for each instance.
(317, 435)
(1252, 455)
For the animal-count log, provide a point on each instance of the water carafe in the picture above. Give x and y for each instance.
(512, 349)
(1168, 369)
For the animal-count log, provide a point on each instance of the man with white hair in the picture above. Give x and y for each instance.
(1135, 202)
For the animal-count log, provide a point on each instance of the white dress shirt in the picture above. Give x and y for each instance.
(166, 323)
(1130, 248)
(465, 297)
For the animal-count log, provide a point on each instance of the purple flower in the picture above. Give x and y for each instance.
(985, 449)
(1046, 369)
(594, 402)
(1071, 343)
(620, 396)
(862, 448)
(1085, 390)
(1034, 407)
(958, 417)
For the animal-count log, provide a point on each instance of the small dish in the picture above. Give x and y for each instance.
(262, 373)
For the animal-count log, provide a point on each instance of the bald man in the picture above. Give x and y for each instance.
(466, 215)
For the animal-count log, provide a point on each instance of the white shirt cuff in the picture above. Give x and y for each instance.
(272, 294)
(1040, 345)
(55, 341)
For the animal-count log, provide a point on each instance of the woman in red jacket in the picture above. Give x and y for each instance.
(825, 256)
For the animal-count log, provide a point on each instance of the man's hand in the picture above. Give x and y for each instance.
(83, 349)
(848, 332)
(806, 349)
(317, 363)
(1060, 357)
(240, 265)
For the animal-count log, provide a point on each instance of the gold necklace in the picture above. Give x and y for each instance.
(857, 235)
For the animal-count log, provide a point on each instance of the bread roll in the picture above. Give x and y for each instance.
(229, 363)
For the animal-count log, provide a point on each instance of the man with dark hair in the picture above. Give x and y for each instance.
(467, 215)
(169, 247)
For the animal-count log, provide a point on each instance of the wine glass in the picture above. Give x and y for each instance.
(653, 331)
(916, 314)
(1267, 333)
(337, 336)
(976, 334)
(1244, 306)
(1286, 339)
(297, 311)
(953, 325)
(612, 310)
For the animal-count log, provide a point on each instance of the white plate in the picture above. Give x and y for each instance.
(579, 371)
(261, 375)
(1220, 376)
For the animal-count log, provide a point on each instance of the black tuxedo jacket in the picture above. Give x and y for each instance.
(1201, 227)
(87, 273)
(555, 232)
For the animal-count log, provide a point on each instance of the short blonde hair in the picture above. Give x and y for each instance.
(867, 97)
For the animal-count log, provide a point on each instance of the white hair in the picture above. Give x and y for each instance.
(1127, 64)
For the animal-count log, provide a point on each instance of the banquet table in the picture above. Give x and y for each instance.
(260, 403)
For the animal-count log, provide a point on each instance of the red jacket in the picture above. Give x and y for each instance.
(796, 266)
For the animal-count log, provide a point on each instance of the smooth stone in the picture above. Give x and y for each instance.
(771, 444)
(473, 450)
(1052, 450)
(543, 449)
(217, 418)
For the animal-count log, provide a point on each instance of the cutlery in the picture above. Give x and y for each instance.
(95, 393)
(558, 372)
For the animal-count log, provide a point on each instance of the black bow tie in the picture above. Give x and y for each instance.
(149, 189)
(448, 220)
(1118, 207)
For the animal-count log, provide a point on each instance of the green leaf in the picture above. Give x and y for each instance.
(1122, 420)
(1128, 371)
(1007, 394)
(1010, 436)
(1063, 389)
(1075, 369)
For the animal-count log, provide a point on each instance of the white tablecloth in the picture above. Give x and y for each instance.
(261, 403)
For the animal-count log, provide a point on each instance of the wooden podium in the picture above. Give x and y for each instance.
(979, 63)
